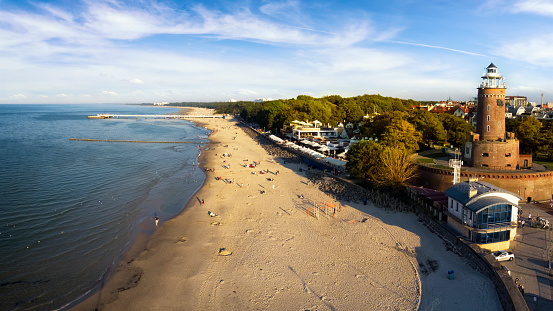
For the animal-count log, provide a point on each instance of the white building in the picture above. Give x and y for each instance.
(484, 213)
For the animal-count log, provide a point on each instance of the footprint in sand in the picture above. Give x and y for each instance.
(180, 239)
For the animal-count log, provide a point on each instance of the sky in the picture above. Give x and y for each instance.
(143, 51)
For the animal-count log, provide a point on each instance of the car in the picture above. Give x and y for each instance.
(503, 255)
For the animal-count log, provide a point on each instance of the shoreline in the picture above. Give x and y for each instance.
(280, 256)
(118, 276)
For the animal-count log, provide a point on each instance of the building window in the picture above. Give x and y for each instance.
(485, 154)
(492, 237)
(484, 165)
(508, 165)
(488, 128)
(495, 216)
(525, 163)
(508, 155)
(488, 118)
(488, 107)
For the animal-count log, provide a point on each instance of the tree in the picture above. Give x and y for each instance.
(363, 159)
(430, 127)
(396, 167)
(400, 133)
(377, 126)
(381, 165)
(528, 132)
(457, 129)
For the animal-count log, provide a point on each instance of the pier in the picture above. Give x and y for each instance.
(152, 116)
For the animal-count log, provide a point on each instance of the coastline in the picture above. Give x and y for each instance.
(121, 276)
(281, 258)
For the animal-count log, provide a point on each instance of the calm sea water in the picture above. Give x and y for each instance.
(70, 209)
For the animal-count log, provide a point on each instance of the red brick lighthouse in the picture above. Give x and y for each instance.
(491, 147)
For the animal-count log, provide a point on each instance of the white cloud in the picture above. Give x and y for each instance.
(355, 60)
(534, 50)
(246, 92)
(18, 96)
(540, 7)
(136, 81)
(108, 93)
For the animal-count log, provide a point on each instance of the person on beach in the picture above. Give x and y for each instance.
(157, 220)
(203, 202)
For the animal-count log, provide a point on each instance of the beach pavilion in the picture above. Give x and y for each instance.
(485, 214)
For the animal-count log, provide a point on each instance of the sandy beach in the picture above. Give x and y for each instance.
(264, 251)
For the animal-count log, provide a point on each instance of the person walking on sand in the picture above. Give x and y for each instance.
(203, 202)
(157, 220)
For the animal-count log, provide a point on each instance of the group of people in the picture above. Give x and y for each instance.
(519, 286)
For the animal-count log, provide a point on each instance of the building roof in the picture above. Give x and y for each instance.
(431, 194)
(486, 202)
(460, 193)
(492, 66)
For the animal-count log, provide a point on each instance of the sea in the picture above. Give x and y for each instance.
(70, 209)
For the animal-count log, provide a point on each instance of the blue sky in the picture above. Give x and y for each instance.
(110, 51)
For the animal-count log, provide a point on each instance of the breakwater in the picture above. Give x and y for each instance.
(137, 141)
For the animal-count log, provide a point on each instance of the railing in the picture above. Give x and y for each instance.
(497, 225)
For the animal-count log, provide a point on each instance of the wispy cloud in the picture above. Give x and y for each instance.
(435, 47)
(540, 7)
(136, 81)
(534, 50)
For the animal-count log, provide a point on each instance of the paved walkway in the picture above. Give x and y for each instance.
(530, 265)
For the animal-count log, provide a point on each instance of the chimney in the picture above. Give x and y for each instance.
(472, 192)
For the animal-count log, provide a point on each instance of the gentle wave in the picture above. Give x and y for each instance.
(70, 209)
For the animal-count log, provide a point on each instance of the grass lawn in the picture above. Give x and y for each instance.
(426, 160)
(548, 164)
(434, 154)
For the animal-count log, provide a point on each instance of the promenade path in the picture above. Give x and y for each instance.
(530, 265)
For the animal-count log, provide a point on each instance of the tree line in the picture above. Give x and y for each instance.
(394, 131)
(535, 136)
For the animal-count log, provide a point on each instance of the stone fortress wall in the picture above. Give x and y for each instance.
(531, 186)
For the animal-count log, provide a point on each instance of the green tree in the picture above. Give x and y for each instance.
(395, 167)
(457, 129)
(429, 126)
(400, 133)
(528, 132)
(363, 159)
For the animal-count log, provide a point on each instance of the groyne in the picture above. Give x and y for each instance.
(137, 141)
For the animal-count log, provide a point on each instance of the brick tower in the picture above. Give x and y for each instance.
(491, 106)
(491, 147)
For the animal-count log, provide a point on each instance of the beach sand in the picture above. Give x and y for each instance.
(281, 258)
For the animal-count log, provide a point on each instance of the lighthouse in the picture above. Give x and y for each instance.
(491, 147)
(490, 116)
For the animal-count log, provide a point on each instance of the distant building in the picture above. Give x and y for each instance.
(461, 112)
(161, 104)
(302, 130)
(260, 100)
(484, 213)
(516, 101)
(517, 111)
